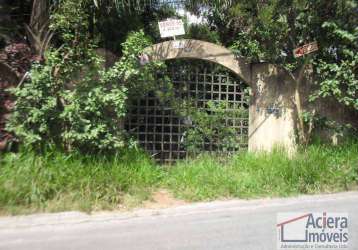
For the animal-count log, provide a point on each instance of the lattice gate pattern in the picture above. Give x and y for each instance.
(161, 131)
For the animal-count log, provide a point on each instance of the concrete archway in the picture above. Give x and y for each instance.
(196, 49)
(271, 112)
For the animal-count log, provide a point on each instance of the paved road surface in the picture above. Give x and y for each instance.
(218, 225)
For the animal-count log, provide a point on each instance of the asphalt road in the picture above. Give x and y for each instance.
(217, 225)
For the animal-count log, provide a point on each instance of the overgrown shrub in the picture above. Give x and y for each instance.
(211, 125)
(69, 101)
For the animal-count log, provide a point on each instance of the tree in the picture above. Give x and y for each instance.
(269, 31)
(38, 32)
(71, 102)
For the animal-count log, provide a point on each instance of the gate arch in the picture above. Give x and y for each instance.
(272, 113)
(196, 49)
(169, 135)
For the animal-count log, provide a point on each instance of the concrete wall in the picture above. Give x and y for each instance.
(330, 109)
(272, 111)
(272, 114)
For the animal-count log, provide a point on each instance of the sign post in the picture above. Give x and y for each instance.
(299, 52)
(171, 28)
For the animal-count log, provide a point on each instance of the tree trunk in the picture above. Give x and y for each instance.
(39, 14)
(37, 31)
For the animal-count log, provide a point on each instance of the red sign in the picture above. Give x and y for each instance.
(305, 49)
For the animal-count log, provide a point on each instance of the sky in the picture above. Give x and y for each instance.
(192, 19)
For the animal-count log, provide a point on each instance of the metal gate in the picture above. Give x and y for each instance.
(160, 130)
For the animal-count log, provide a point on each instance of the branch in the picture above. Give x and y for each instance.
(23, 79)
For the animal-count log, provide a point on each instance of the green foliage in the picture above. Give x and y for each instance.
(113, 20)
(67, 102)
(70, 20)
(202, 32)
(138, 79)
(338, 80)
(270, 31)
(71, 102)
(211, 125)
(58, 182)
(77, 109)
(248, 175)
(245, 47)
(323, 124)
(83, 106)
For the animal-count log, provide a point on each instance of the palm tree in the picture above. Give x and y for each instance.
(37, 30)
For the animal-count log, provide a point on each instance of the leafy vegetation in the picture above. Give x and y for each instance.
(64, 34)
(248, 175)
(70, 101)
(269, 31)
(210, 125)
(57, 182)
(69, 106)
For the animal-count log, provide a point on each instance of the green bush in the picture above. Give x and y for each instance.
(71, 102)
(77, 110)
(210, 124)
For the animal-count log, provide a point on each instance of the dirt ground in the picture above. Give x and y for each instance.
(163, 199)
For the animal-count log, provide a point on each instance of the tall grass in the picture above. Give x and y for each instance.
(57, 182)
(247, 175)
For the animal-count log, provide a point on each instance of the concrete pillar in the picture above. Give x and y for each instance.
(272, 110)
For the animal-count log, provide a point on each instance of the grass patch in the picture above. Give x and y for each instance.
(57, 182)
(249, 175)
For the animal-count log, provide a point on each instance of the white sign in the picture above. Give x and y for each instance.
(171, 27)
(178, 44)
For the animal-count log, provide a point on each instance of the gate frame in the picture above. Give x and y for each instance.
(272, 112)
